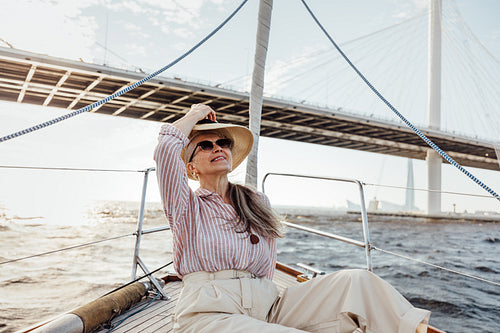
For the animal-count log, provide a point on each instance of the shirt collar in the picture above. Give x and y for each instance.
(204, 193)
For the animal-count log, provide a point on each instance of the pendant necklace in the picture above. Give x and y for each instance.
(254, 239)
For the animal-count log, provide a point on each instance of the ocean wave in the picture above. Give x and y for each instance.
(485, 269)
(456, 302)
(19, 280)
(451, 309)
(492, 240)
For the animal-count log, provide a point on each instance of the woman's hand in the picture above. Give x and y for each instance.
(201, 111)
(194, 115)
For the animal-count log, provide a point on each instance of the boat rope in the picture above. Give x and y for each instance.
(66, 169)
(125, 90)
(436, 266)
(158, 294)
(137, 279)
(408, 123)
(65, 249)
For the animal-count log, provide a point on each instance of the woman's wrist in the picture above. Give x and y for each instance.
(195, 114)
(186, 123)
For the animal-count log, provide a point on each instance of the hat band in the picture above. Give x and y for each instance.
(206, 121)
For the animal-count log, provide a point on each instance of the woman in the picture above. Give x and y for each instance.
(224, 239)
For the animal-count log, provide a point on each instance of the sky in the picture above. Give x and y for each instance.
(148, 34)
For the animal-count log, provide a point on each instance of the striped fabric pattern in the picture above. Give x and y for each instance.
(204, 227)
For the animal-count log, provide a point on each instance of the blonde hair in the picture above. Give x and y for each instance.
(254, 213)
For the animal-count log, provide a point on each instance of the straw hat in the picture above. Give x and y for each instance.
(241, 137)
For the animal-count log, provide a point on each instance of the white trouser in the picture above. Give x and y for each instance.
(346, 301)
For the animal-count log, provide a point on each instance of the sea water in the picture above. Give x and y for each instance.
(39, 288)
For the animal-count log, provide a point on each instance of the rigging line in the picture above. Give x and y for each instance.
(125, 90)
(417, 131)
(436, 266)
(66, 169)
(426, 190)
(137, 279)
(65, 249)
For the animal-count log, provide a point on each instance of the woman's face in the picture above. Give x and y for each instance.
(215, 161)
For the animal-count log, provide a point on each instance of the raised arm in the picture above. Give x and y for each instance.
(171, 171)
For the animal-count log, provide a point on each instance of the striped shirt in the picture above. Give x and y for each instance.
(204, 227)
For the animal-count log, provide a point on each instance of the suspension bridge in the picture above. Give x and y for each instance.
(27, 77)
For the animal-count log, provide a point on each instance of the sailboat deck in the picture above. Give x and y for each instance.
(157, 317)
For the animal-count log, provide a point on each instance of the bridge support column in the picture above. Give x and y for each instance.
(434, 105)
(433, 182)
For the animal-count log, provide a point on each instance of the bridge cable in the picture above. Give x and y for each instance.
(408, 123)
(125, 90)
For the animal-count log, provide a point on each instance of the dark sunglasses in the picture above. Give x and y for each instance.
(209, 145)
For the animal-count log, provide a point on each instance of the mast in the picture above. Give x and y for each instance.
(256, 92)
(434, 105)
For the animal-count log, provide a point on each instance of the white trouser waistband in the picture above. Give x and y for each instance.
(220, 275)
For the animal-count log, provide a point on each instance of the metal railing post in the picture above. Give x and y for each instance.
(366, 232)
(364, 215)
(140, 219)
(137, 260)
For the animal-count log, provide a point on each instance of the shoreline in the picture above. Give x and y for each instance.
(374, 216)
(444, 217)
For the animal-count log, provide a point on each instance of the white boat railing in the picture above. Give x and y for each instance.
(364, 215)
(137, 261)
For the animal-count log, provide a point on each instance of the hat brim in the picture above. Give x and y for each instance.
(241, 136)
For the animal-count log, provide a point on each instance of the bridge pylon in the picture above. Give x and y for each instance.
(434, 105)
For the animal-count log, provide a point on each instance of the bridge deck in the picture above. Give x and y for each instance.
(42, 80)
